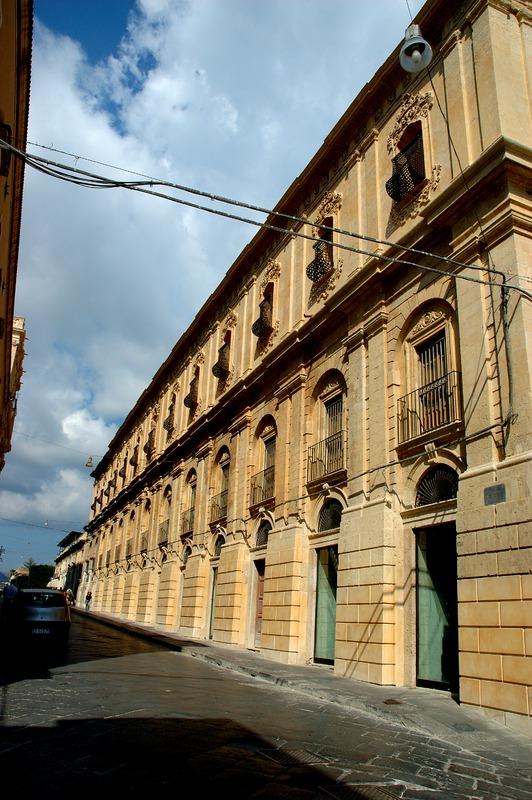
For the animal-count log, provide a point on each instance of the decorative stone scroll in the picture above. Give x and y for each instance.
(413, 107)
(428, 319)
(330, 205)
(273, 270)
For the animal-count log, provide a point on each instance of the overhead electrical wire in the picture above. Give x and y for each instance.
(92, 180)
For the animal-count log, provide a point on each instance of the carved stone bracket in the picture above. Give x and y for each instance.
(264, 346)
(400, 213)
(322, 289)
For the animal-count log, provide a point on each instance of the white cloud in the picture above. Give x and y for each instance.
(233, 97)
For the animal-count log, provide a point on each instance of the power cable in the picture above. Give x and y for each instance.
(139, 187)
(36, 525)
(150, 180)
(56, 444)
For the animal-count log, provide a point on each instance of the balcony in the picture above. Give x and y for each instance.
(262, 327)
(220, 370)
(191, 400)
(163, 531)
(219, 507)
(322, 263)
(187, 521)
(326, 457)
(263, 486)
(434, 406)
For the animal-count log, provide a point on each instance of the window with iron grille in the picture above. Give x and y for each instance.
(168, 423)
(408, 166)
(191, 400)
(263, 326)
(220, 370)
(438, 484)
(263, 533)
(330, 515)
(149, 447)
(323, 261)
(220, 541)
(134, 460)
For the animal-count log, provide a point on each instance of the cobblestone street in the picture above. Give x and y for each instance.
(124, 713)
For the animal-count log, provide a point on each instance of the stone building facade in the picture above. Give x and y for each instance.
(16, 23)
(333, 465)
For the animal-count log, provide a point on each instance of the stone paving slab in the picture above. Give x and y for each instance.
(414, 710)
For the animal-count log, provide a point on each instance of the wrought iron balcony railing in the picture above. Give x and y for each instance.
(168, 423)
(164, 527)
(187, 521)
(263, 486)
(220, 370)
(434, 405)
(134, 460)
(219, 507)
(191, 400)
(326, 457)
(322, 263)
(262, 327)
(149, 447)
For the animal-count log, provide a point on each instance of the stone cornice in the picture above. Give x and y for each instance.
(354, 340)
(293, 385)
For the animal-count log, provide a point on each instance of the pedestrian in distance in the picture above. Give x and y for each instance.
(88, 598)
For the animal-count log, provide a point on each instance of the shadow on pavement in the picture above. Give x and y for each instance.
(180, 754)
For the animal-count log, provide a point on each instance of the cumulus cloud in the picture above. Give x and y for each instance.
(233, 97)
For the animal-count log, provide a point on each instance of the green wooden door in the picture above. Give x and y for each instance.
(325, 630)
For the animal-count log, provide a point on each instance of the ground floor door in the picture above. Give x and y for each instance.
(437, 607)
(260, 566)
(326, 583)
(213, 600)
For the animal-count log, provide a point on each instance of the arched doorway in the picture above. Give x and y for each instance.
(326, 585)
(436, 587)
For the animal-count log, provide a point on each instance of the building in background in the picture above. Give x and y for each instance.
(15, 66)
(68, 567)
(333, 465)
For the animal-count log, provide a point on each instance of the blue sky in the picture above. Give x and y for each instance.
(231, 96)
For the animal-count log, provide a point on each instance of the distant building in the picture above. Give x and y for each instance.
(333, 465)
(15, 65)
(68, 567)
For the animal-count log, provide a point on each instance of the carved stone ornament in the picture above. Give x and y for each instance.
(322, 289)
(263, 345)
(229, 322)
(428, 319)
(273, 270)
(399, 214)
(200, 358)
(331, 204)
(413, 107)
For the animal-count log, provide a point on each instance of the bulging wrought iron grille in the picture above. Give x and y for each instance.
(168, 423)
(134, 460)
(330, 516)
(322, 263)
(263, 533)
(149, 447)
(187, 521)
(221, 369)
(219, 506)
(408, 170)
(440, 483)
(262, 327)
(191, 400)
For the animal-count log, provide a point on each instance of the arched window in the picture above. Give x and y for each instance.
(263, 533)
(263, 482)
(430, 376)
(187, 552)
(164, 515)
(328, 456)
(330, 515)
(219, 543)
(187, 517)
(221, 482)
(438, 484)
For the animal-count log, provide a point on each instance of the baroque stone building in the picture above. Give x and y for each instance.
(16, 21)
(333, 464)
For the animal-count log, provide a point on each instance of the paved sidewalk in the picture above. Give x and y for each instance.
(426, 711)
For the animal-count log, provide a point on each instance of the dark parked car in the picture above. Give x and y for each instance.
(39, 614)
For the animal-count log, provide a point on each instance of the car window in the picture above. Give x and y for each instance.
(40, 599)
